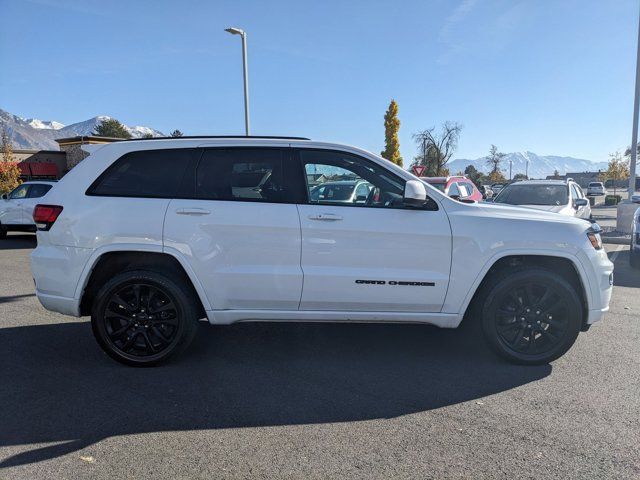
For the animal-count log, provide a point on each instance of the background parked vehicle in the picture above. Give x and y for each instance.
(343, 191)
(16, 207)
(634, 252)
(456, 187)
(565, 198)
(596, 188)
(497, 187)
(486, 191)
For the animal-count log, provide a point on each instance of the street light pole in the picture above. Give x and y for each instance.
(634, 134)
(245, 73)
(510, 165)
(526, 170)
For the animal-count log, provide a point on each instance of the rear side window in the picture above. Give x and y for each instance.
(38, 190)
(145, 173)
(242, 174)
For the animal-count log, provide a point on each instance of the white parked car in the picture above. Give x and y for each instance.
(558, 196)
(148, 236)
(596, 188)
(16, 207)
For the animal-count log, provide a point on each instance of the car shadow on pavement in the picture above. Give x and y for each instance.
(18, 242)
(59, 387)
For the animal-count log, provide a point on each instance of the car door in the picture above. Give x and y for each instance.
(378, 256)
(36, 191)
(11, 212)
(239, 229)
(576, 193)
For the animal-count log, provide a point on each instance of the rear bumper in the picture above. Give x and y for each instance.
(64, 305)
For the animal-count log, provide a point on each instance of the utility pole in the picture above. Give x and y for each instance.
(634, 134)
(510, 166)
(245, 73)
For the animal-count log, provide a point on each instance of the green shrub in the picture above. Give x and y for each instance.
(612, 199)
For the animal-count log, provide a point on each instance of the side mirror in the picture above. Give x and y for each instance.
(415, 193)
(580, 202)
(5, 196)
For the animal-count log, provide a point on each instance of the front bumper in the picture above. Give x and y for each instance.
(597, 281)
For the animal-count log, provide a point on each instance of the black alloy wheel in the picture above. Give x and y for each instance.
(141, 318)
(531, 316)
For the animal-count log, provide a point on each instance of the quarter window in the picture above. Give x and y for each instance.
(245, 174)
(145, 173)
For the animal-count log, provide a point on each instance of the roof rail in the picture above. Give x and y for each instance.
(275, 137)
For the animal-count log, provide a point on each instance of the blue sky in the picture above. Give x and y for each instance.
(550, 76)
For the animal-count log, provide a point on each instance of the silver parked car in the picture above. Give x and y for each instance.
(596, 188)
(559, 196)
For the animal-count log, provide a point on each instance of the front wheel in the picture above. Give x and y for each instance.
(141, 318)
(3, 232)
(531, 316)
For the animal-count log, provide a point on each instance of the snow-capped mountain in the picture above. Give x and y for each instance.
(52, 125)
(32, 133)
(539, 165)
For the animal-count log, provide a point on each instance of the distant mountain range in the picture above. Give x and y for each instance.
(539, 165)
(34, 134)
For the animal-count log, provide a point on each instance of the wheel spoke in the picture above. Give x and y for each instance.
(164, 308)
(158, 333)
(118, 333)
(122, 303)
(130, 341)
(148, 342)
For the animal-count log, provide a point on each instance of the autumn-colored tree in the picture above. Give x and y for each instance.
(520, 176)
(9, 171)
(496, 177)
(494, 159)
(391, 126)
(111, 128)
(618, 169)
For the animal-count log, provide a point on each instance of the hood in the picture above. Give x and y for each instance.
(523, 212)
(547, 208)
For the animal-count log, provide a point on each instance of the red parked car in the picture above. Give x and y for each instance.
(460, 188)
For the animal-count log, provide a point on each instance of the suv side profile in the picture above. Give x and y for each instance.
(149, 236)
(16, 207)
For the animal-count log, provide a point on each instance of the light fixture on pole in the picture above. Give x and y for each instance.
(245, 73)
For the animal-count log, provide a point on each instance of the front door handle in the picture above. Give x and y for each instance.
(193, 211)
(325, 217)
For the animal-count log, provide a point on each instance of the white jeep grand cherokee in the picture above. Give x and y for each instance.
(150, 236)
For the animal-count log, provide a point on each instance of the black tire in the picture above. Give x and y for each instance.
(142, 318)
(531, 316)
(3, 232)
(634, 259)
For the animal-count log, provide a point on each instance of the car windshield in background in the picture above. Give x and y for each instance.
(534, 195)
(439, 186)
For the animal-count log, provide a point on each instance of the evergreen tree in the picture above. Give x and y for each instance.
(111, 128)
(474, 175)
(176, 133)
(9, 171)
(147, 135)
(391, 126)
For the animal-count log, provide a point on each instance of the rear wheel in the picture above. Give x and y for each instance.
(3, 232)
(531, 316)
(143, 318)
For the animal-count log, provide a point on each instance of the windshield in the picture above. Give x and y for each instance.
(439, 186)
(534, 195)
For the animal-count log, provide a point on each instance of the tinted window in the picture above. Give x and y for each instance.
(248, 174)
(38, 190)
(19, 192)
(540, 194)
(147, 173)
(332, 178)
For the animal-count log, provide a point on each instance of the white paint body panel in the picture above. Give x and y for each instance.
(260, 261)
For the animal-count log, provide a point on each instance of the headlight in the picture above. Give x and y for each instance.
(596, 241)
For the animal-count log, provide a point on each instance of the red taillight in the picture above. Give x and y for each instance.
(46, 215)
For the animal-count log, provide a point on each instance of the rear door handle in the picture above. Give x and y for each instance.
(193, 211)
(325, 217)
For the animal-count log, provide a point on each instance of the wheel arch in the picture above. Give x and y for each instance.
(104, 264)
(566, 267)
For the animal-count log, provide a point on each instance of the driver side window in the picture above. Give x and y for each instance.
(19, 192)
(337, 178)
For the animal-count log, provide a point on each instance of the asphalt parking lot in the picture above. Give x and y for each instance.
(314, 401)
